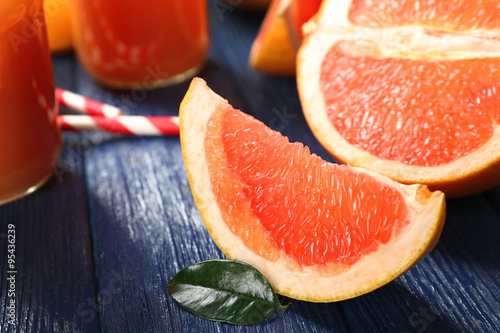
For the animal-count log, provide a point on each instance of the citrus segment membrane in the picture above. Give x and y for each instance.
(419, 112)
(275, 195)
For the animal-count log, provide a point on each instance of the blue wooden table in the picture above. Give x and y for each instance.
(96, 246)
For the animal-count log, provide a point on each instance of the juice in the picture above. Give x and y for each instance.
(29, 134)
(130, 43)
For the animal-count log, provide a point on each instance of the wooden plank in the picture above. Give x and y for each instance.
(123, 219)
(146, 227)
(54, 280)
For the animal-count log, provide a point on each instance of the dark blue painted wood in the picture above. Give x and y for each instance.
(55, 286)
(98, 244)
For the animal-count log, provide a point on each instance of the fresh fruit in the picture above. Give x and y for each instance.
(275, 47)
(272, 50)
(58, 25)
(317, 231)
(301, 11)
(415, 103)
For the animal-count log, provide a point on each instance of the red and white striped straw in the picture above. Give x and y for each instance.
(127, 125)
(86, 105)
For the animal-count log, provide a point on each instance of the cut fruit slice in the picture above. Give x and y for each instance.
(275, 47)
(416, 104)
(58, 25)
(272, 50)
(318, 231)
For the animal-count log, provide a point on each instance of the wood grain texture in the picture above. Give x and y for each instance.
(55, 289)
(98, 244)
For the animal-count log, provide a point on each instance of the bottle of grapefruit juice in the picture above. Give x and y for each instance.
(149, 43)
(29, 135)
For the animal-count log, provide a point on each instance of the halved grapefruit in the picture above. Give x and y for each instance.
(318, 231)
(417, 102)
(275, 46)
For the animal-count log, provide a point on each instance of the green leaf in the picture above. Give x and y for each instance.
(225, 290)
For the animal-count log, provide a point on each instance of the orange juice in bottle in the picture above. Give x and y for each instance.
(29, 134)
(148, 43)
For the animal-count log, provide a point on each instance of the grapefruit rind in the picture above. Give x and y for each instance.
(467, 175)
(414, 241)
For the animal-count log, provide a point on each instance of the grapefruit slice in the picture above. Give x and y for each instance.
(318, 231)
(417, 103)
(58, 25)
(275, 47)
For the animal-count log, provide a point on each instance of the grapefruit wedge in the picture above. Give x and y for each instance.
(58, 22)
(275, 47)
(410, 93)
(318, 231)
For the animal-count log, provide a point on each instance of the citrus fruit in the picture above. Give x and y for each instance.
(318, 231)
(275, 47)
(417, 102)
(58, 25)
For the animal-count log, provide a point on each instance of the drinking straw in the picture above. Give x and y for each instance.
(127, 125)
(85, 105)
